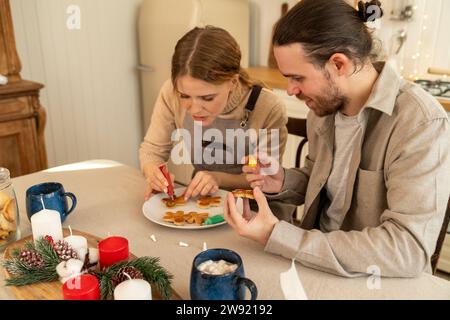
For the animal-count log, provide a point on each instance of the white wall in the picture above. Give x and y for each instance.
(427, 36)
(264, 14)
(92, 93)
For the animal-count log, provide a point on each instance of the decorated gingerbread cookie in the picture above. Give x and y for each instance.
(206, 202)
(242, 193)
(179, 218)
(178, 201)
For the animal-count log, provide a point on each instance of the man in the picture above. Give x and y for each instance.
(376, 181)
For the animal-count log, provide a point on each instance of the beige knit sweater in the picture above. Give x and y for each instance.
(168, 115)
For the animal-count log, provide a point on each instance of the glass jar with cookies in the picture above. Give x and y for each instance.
(9, 212)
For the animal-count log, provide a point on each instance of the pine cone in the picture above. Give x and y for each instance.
(120, 276)
(64, 250)
(31, 258)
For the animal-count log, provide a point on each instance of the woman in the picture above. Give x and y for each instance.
(208, 88)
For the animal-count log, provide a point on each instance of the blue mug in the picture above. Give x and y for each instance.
(229, 286)
(53, 196)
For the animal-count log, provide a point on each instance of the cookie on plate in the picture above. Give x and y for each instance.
(177, 201)
(205, 202)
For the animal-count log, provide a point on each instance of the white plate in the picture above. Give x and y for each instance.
(154, 210)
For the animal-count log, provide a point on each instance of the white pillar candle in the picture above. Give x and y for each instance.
(134, 289)
(79, 244)
(46, 223)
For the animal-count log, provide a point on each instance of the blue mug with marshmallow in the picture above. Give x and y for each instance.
(209, 283)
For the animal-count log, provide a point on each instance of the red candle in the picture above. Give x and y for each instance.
(112, 250)
(83, 287)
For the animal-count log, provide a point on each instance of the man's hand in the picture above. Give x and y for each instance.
(156, 180)
(257, 227)
(267, 174)
(203, 183)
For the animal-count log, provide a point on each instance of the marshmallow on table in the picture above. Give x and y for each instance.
(183, 244)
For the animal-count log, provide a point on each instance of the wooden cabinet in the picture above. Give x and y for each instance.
(22, 122)
(22, 118)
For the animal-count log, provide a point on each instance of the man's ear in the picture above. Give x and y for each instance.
(340, 64)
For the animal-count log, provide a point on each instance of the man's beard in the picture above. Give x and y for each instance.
(330, 99)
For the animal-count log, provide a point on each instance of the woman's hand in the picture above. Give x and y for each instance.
(268, 175)
(156, 180)
(203, 183)
(258, 226)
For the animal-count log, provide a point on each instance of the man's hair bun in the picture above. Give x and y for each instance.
(367, 11)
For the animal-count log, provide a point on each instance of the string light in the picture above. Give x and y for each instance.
(418, 63)
(418, 56)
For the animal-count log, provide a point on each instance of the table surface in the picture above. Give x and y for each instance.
(110, 198)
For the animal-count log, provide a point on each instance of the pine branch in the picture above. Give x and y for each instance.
(25, 274)
(48, 253)
(15, 266)
(29, 246)
(155, 274)
(106, 287)
(151, 270)
(36, 276)
(15, 253)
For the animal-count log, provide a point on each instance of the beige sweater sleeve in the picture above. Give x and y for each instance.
(270, 113)
(157, 143)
